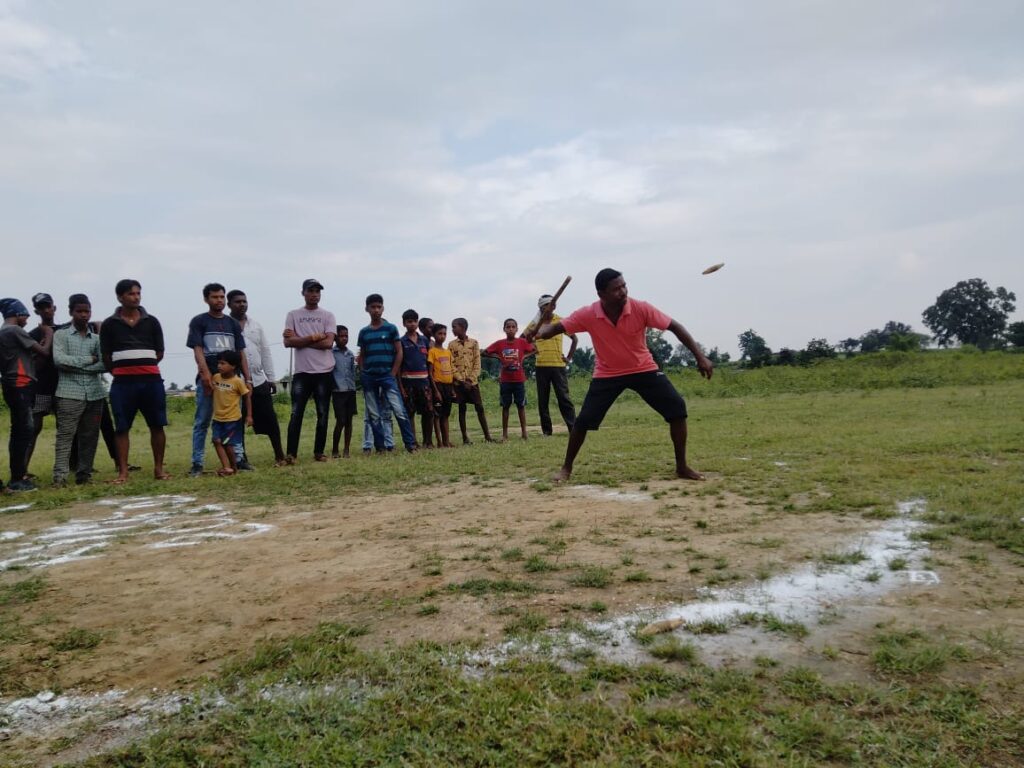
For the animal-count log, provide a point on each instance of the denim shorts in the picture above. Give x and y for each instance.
(228, 432)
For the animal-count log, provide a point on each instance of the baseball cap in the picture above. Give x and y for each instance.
(312, 282)
(41, 299)
(13, 308)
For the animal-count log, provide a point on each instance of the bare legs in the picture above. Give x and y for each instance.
(676, 429)
(157, 441)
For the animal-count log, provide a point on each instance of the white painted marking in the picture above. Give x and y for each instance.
(608, 494)
(924, 577)
(171, 520)
(16, 508)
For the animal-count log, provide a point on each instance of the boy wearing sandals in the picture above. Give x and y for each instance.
(228, 391)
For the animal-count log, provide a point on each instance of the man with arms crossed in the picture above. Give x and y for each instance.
(618, 327)
(132, 345)
(310, 331)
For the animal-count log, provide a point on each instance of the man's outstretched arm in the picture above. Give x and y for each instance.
(703, 364)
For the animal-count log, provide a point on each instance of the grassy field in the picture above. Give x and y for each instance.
(846, 437)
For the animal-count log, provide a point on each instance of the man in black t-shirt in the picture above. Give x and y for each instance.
(209, 334)
(46, 371)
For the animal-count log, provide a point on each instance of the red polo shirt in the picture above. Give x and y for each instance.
(621, 349)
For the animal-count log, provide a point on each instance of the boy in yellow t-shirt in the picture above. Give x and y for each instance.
(439, 361)
(228, 391)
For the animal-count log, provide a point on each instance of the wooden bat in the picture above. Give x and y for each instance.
(538, 319)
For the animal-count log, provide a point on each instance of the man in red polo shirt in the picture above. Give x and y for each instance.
(618, 328)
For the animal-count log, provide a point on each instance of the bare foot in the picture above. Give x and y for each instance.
(119, 480)
(225, 472)
(689, 474)
(563, 475)
(161, 476)
(345, 455)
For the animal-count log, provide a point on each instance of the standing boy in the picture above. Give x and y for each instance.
(511, 352)
(210, 334)
(380, 359)
(45, 402)
(344, 395)
(18, 376)
(415, 384)
(550, 372)
(132, 345)
(465, 354)
(618, 326)
(81, 397)
(228, 391)
(439, 360)
(310, 331)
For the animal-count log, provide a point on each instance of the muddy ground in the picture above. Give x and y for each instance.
(174, 589)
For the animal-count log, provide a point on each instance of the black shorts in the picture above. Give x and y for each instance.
(654, 387)
(467, 393)
(264, 417)
(443, 407)
(418, 397)
(130, 395)
(344, 405)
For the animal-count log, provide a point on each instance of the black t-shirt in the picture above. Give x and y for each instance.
(46, 371)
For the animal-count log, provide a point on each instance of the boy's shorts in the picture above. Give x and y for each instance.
(129, 397)
(512, 391)
(344, 405)
(228, 432)
(417, 396)
(467, 393)
(653, 386)
(443, 407)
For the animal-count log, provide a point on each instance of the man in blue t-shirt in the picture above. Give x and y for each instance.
(209, 334)
(380, 359)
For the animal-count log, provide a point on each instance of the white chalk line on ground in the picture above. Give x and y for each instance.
(170, 520)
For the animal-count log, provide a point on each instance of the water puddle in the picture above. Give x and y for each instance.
(730, 623)
(167, 520)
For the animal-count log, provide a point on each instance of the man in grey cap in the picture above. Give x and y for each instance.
(18, 351)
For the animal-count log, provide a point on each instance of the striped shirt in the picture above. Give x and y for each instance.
(79, 365)
(132, 350)
(377, 348)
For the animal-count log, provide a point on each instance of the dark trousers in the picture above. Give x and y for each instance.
(19, 401)
(546, 377)
(318, 386)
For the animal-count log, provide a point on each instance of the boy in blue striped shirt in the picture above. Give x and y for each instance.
(380, 359)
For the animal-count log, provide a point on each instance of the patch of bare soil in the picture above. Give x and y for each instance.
(169, 616)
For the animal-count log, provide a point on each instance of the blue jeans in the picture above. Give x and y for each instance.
(318, 386)
(382, 390)
(388, 443)
(201, 425)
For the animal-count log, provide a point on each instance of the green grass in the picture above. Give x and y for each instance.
(856, 437)
(77, 639)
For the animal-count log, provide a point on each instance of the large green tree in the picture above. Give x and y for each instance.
(971, 313)
(1015, 334)
(754, 352)
(660, 347)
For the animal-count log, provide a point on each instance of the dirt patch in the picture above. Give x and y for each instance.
(166, 616)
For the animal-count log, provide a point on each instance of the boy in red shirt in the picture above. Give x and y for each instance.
(511, 352)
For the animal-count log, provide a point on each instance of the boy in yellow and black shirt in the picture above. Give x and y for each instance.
(228, 391)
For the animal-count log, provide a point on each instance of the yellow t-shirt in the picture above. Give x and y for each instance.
(549, 351)
(227, 397)
(441, 361)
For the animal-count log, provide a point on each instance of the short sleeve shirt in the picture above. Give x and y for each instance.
(17, 363)
(227, 397)
(344, 370)
(414, 357)
(511, 355)
(549, 351)
(215, 335)
(441, 360)
(621, 349)
(377, 347)
(306, 322)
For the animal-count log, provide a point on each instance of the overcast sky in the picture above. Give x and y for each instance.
(847, 160)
